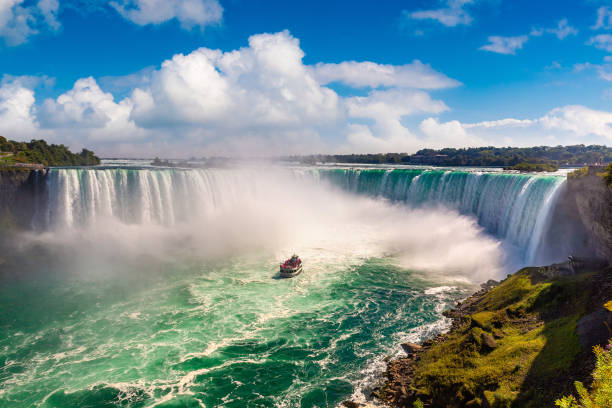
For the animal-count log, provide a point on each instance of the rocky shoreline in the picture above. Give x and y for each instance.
(397, 390)
(519, 342)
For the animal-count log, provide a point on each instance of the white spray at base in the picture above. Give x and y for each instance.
(218, 212)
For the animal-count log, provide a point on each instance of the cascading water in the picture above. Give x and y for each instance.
(80, 197)
(513, 207)
(156, 286)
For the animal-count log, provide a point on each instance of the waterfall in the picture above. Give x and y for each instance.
(512, 207)
(80, 197)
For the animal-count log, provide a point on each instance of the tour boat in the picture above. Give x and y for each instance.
(292, 267)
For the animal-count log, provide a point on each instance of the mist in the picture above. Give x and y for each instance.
(265, 212)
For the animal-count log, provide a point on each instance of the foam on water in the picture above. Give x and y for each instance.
(167, 291)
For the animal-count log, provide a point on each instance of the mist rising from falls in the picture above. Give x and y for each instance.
(514, 207)
(155, 285)
(217, 212)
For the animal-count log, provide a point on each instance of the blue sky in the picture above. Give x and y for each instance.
(201, 77)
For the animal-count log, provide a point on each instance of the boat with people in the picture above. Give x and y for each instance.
(291, 267)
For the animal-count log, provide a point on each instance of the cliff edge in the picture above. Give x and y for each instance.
(593, 199)
(20, 189)
(520, 344)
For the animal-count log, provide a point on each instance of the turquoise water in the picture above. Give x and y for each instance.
(508, 205)
(164, 294)
(196, 333)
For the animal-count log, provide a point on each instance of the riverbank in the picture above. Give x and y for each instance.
(521, 343)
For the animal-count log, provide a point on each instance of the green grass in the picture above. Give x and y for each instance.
(533, 320)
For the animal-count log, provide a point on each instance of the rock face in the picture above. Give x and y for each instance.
(411, 348)
(594, 204)
(593, 328)
(581, 223)
(20, 191)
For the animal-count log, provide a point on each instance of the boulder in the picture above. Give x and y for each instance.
(488, 342)
(593, 328)
(411, 348)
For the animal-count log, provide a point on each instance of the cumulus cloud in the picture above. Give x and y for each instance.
(370, 74)
(16, 107)
(387, 109)
(448, 134)
(452, 14)
(563, 125)
(265, 84)
(263, 100)
(190, 13)
(580, 121)
(505, 45)
(87, 107)
(18, 21)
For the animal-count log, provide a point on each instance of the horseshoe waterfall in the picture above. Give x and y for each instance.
(159, 286)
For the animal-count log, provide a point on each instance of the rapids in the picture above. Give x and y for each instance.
(158, 287)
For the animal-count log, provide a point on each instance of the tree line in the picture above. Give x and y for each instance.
(576, 155)
(39, 151)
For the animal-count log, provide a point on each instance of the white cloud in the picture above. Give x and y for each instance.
(85, 106)
(505, 45)
(604, 19)
(448, 134)
(370, 74)
(451, 15)
(393, 104)
(509, 45)
(16, 108)
(563, 125)
(265, 84)
(580, 121)
(602, 41)
(190, 13)
(386, 109)
(562, 30)
(509, 122)
(263, 100)
(603, 70)
(18, 21)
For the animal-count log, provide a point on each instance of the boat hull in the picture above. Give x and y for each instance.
(290, 272)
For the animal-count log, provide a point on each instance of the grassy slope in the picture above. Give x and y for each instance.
(533, 321)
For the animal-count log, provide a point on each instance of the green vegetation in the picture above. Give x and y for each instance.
(583, 171)
(39, 152)
(531, 167)
(577, 155)
(514, 346)
(600, 395)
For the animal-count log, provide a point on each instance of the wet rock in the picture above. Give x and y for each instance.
(592, 329)
(490, 284)
(488, 342)
(350, 404)
(411, 348)
(498, 334)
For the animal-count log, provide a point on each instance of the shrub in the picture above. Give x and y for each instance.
(600, 395)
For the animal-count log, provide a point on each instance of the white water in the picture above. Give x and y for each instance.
(217, 212)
